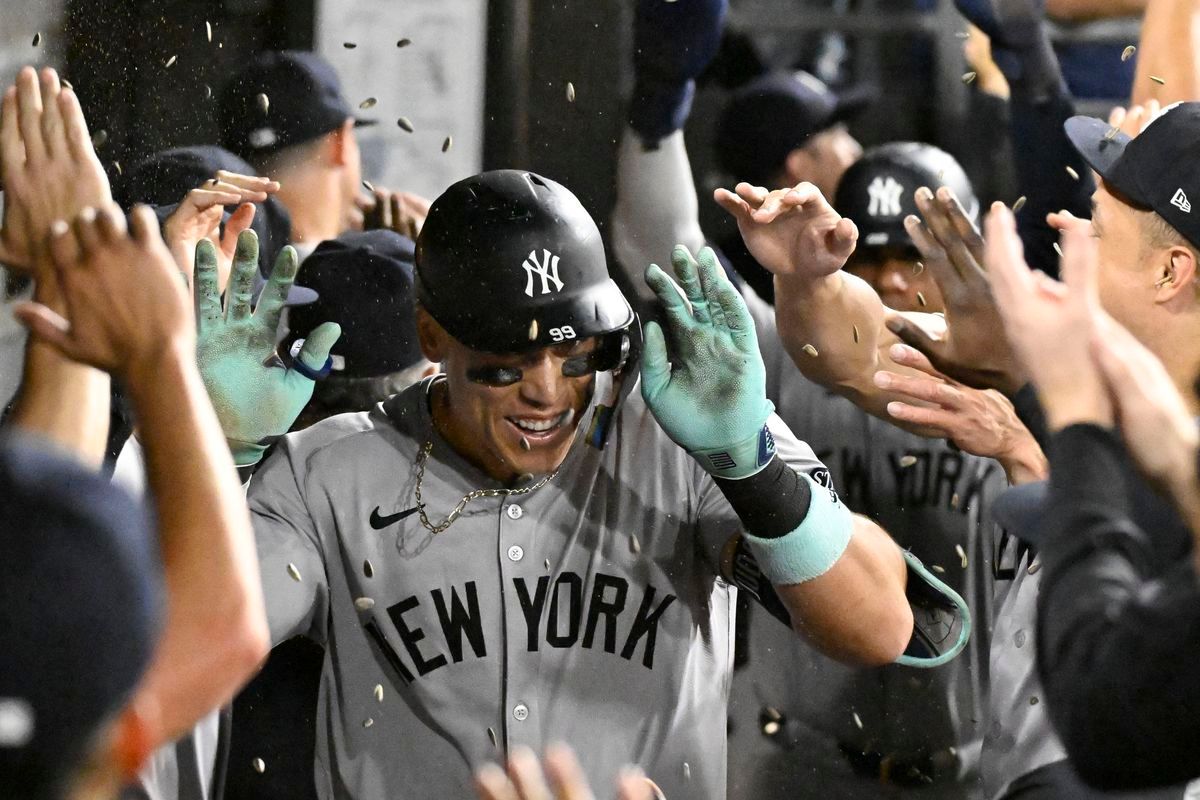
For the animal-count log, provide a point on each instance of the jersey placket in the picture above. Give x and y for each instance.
(517, 559)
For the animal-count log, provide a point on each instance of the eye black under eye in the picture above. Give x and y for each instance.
(578, 367)
(495, 376)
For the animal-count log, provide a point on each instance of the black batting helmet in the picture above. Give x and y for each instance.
(509, 261)
(877, 190)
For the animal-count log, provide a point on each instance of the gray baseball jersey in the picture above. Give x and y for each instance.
(588, 611)
(933, 500)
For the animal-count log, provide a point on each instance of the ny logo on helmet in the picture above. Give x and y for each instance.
(885, 197)
(547, 269)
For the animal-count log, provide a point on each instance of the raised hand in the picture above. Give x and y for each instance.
(402, 212)
(791, 231)
(980, 422)
(256, 395)
(126, 305)
(709, 393)
(199, 215)
(1048, 323)
(973, 349)
(48, 167)
(524, 779)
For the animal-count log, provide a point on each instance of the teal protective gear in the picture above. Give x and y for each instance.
(256, 396)
(813, 547)
(710, 393)
(962, 615)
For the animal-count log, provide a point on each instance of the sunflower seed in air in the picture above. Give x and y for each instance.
(349, 45)
(962, 555)
(1017, 206)
(773, 713)
(918, 268)
(405, 125)
(1034, 567)
(1058, 250)
(446, 145)
(368, 103)
(492, 736)
(907, 461)
(1033, 701)
(968, 77)
(208, 29)
(364, 604)
(525, 444)
(379, 692)
(634, 545)
(812, 351)
(921, 299)
(170, 62)
(368, 568)
(370, 187)
(37, 39)
(963, 35)
(954, 501)
(1071, 171)
(99, 138)
(117, 167)
(546, 563)
(295, 573)
(940, 570)
(264, 103)
(771, 728)
(1158, 80)
(855, 327)
(207, 92)
(368, 722)
(533, 330)
(1112, 133)
(404, 43)
(858, 720)
(1128, 52)
(687, 771)
(570, 92)
(260, 766)
(67, 84)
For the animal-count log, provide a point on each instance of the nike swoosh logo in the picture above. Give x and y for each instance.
(379, 522)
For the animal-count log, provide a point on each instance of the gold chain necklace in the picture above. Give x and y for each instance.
(458, 509)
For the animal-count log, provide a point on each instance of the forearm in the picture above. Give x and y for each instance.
(656, 209)
(856, 612)
(60, 400)
(1024, 462)
(216, 630)
(1167, 50)
(1112, 644)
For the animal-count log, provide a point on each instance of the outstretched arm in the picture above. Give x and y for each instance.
(128, 313)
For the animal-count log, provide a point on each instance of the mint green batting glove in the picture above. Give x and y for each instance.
(710, 393)
(256, 396)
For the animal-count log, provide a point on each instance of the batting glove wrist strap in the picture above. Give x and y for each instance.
(811, 548)
(942, 621)
(742, 460)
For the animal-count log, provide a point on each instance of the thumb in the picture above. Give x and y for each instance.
(317, 345)
(45, 324)
(914, 336)
(656, 368)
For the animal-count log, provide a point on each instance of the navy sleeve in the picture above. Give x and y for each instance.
(1117, 643)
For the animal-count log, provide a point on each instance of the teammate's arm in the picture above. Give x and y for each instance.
(49, 172)
(1167, 50)
(832, 323)
(129, 314)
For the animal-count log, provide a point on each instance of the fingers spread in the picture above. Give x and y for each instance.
(64, 247)
(53, 137)
(565, 774)
(670, 297)
(921, 387)
(75, 126)
(205, 280)
(911, 357)
(110, 224)
(317, 345)
(47, 325)
(493, 784)
(935, 418)
(526, 774)
(274, 295)
(29, 113)
(656, 366)
(241, 278)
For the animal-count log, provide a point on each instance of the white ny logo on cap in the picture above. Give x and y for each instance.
(547, 269)
(885, 197)
(1181, 202)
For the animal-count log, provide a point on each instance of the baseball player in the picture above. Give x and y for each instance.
(525, 549)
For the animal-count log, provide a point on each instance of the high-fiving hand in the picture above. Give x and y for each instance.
(257, 397)
(524, 780)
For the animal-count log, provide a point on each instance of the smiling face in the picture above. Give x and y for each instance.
(509, 414)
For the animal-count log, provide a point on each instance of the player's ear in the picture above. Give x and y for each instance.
(432, 336)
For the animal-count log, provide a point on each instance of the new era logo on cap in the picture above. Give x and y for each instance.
(1180, 201)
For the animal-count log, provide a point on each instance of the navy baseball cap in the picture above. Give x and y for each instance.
(81, 605)
(365, 283)
(304, 100)
(772, 115)
(1159, 170)
(162, 179)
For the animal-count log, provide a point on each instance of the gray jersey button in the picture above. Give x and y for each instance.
(515, 511)
(515, 553)
(521, 712)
